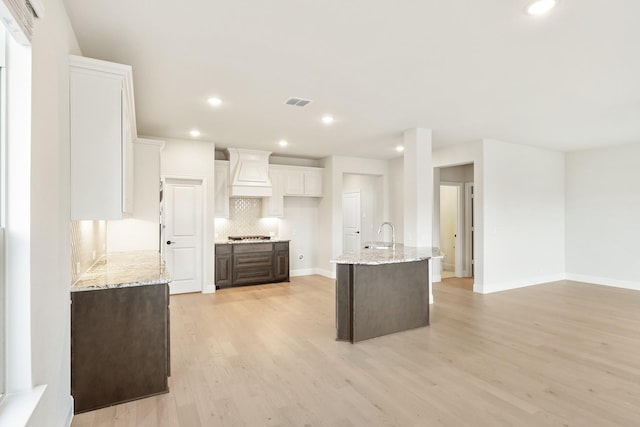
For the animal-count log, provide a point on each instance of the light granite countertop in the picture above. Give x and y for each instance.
(124, 269)
(388, 256)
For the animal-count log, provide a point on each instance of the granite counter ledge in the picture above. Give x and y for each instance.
(124, 269)
(401, 253)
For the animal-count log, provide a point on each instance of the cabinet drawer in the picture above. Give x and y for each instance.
(243, 248)
(223, 249)
(284, 246)
(247, 276)
(251, 260)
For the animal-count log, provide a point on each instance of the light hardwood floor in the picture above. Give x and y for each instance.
(558, 354)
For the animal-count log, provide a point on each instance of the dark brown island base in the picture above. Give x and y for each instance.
(382, 291)
(120, 331)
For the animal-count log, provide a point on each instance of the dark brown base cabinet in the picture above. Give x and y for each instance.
(251, 263)
(119, 345)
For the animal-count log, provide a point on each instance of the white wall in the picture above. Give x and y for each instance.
(462, 173)
(396, 196)
(602, 216)
(195, 159)
(371, 209)
(330, 207)
(418, 187)
(300, 226)
(50, 214)
(523, 216)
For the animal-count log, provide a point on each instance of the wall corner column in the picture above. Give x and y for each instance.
(418, 191)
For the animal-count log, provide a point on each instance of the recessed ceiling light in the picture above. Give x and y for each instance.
(195, 133)
(216, 102)
(327, 120)
(540, 7)
(400, 148)
(283, 143)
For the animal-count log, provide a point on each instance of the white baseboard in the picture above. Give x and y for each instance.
(448, 266)
(505, 286)
(312, 271)
(436, 277)
(302, 272)
(604, 281)
(209, 289)
(326, 273)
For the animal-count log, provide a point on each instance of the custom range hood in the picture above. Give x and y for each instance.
(249, 172)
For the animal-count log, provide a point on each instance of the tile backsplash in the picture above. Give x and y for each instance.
(87, 238)
(245, 218)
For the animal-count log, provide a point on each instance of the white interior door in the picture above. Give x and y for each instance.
(182, 245)
(351, 221)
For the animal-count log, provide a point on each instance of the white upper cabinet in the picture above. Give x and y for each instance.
(313, 182)
(273, 206)
(301, 180)
(102, 131)
(221, 186)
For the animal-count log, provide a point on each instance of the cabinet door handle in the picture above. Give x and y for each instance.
(169, 242)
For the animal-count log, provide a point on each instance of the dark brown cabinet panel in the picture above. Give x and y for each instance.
(224, 267)
(251, 263)
(281, 262)
(119, 345)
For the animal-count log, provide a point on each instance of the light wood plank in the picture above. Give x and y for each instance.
(558, 354)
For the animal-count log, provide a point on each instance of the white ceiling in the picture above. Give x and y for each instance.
(467, 69)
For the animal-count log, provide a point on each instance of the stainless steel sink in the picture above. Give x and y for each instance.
(378, 245)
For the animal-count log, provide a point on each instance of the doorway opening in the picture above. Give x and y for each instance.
(455, 222)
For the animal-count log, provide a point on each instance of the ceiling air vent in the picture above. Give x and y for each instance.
(298, 102)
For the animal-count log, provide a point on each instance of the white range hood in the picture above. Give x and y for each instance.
(249, 172)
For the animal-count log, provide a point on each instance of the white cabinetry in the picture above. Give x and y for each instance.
(274, 206)
(102, 130)
(301, 180)
(290, 181)
(140, 232)
(221, 189)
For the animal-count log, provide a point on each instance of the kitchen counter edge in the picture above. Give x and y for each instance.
(388, 256)
(122, 270)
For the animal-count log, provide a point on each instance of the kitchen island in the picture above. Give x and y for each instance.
(382, 291)
(120, 330)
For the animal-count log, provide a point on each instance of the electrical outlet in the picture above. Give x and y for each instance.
(77, 268)
(301, 256)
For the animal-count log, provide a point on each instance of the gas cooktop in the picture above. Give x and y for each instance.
(245, 238)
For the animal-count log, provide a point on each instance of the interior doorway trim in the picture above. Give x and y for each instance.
(468, 229)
